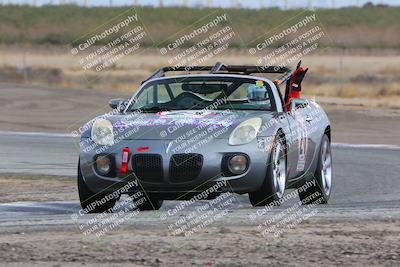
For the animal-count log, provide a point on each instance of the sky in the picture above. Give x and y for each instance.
(221, 3)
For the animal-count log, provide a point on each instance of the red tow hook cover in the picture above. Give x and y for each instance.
(125, 160)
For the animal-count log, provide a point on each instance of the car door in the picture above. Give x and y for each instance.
(306, 118)
(302, 136)
(293, 144)
(311, 118)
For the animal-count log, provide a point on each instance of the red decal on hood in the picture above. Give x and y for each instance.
(142, 148)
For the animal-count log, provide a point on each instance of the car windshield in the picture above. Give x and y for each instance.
(191, 93)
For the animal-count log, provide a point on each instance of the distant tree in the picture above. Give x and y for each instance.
(368, 4)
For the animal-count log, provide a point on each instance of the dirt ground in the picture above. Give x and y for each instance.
(36, 188)
(316, 242)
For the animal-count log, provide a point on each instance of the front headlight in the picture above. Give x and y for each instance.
(245, 132)
(103, 132)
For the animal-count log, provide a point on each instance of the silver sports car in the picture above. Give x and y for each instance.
(213, 129)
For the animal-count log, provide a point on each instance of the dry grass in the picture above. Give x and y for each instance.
(348, 75)
(349, 27)
(351, 90)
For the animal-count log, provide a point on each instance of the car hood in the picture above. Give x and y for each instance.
(183, 125)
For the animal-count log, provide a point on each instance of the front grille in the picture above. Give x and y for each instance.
(148, 167)
(185, 167)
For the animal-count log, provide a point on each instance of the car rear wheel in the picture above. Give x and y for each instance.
(92, 202)
(321, 189)
(274, 184)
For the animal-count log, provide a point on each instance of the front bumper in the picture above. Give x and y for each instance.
(211, 171)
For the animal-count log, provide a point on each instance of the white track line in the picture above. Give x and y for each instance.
(42, 134)
(377, 146)
(335, 145)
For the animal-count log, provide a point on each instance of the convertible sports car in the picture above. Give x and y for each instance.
(213, 129)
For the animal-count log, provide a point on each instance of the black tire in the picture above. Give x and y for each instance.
(319, 193)
(270, 191)
(88, 198)
(151, 203)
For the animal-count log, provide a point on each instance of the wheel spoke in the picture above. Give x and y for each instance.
(326, 172)
(278, 170)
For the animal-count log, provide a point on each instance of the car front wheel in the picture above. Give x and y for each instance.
(92, 202)
(274, 184)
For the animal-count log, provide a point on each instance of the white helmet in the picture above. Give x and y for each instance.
(257, 93)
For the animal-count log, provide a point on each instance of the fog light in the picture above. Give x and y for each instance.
(237, 164)
(103, 165)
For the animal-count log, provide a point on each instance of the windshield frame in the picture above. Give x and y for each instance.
(213, 77)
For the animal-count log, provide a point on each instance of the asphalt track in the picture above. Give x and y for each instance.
(366, 180)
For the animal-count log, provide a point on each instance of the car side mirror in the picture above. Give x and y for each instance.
(297, 103)
(117, 103)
